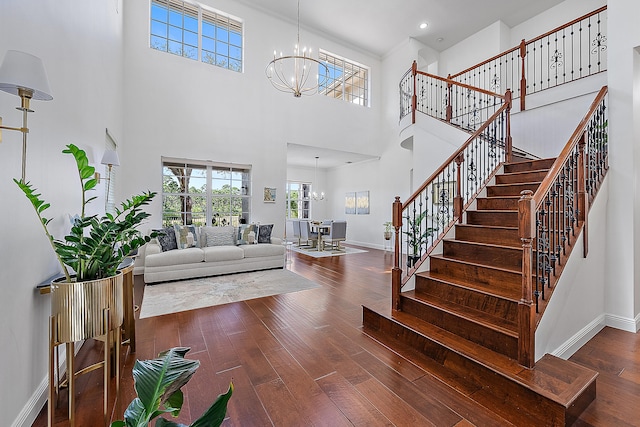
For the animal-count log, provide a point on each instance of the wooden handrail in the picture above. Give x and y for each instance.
(486, 61)
(462, 85)
(568, 24)
(457, 153)
(556, 168)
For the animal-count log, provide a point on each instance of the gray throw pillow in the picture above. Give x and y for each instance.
(264, 233)
(220, 236)
(167, 239)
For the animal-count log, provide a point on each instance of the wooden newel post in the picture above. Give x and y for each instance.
(523, 78)
(396, 272)
(583, 197)
(508, 143)
(526, 308)
(457, 200)
(449, 105)
(414, 98)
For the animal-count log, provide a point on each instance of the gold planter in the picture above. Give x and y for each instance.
(78, 307)
(79, 311)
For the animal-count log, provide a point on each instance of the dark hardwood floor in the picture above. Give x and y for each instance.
(301, 359)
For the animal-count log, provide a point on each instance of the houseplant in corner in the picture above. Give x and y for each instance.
(388, 227)
(88, 301)
(417, 235)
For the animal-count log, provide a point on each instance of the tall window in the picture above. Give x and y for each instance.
(192, 31)
(298, 205)
(346, 80)
(109, 190)
(205, 193)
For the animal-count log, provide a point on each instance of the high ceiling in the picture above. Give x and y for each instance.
(378, 26)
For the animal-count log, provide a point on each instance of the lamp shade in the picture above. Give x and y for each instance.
(110, 158)
(20, 70)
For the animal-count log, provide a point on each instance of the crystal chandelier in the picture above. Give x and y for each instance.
(314, 194)
(292, 73)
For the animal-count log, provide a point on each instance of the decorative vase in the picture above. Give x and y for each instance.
(387, 235)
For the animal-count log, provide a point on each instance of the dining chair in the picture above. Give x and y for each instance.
(337, 233)
(306, 235)
(296, 229)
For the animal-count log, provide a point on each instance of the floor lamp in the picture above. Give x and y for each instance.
(23, 75)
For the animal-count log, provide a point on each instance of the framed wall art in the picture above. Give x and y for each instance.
(269, 195)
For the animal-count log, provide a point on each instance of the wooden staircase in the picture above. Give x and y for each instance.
(460, 322)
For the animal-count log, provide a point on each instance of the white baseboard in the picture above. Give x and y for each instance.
(38, 399)
(624, 323)
(574, 343)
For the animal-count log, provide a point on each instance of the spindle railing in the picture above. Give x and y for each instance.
(425, 218)
(551, 218)
(464, 106)
(569, 52)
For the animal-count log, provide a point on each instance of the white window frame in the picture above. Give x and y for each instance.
(209, 198)
(304, 203)
(228, 54)
(344, 86)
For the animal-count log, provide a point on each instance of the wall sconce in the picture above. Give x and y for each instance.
(23, 75)
(109, 159)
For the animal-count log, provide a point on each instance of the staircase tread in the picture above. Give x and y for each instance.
(525, 172)
(515, 184)
(537, 378)
(469, 286)
(470, 314)
(508, 270)
(492, 245)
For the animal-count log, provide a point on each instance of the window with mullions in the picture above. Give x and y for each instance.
(346, 80)
(298, 205)
(205, 193)
(177, 26)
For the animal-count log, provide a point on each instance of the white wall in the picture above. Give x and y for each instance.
(623, 222)
(80, 44)
(181, 108)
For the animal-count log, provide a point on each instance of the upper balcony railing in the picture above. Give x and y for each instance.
(570, 52)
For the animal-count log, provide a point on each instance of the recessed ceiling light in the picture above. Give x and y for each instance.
(439, 39)
(423, 25)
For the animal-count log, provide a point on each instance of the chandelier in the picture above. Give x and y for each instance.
(292, 73)
(314, 194)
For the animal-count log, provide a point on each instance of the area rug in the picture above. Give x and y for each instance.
(322, 254)
(183, 295)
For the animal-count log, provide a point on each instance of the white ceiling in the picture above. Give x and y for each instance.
(378, 26)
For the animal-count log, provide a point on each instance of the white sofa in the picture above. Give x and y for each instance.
(178, 264)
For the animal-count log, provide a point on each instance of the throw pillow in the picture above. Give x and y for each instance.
(167, 239)
(243, 233)
(264, 233)
(220, 236)
(186, 236)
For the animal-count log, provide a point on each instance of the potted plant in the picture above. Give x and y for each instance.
(158, 383)
(388, 230)
(417, 235)
(95, 245)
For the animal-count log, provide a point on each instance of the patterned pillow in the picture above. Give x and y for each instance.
(186, 236)
(167, 239)
(243, 233)
(264, 233)
(220, 236)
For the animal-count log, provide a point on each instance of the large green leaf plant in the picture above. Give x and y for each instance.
(158, 383)
(96, 245)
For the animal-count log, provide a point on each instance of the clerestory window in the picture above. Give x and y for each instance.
(347, 80)
(196, 32)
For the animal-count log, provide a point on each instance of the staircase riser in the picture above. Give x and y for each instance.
(495, 306)
(492, 218)
(536, 176)
(487, 337)
(509, 258)
(390, 332)
(508, 237)
(496, 203)
(510, 190)
(528, 166)
(481, 275)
